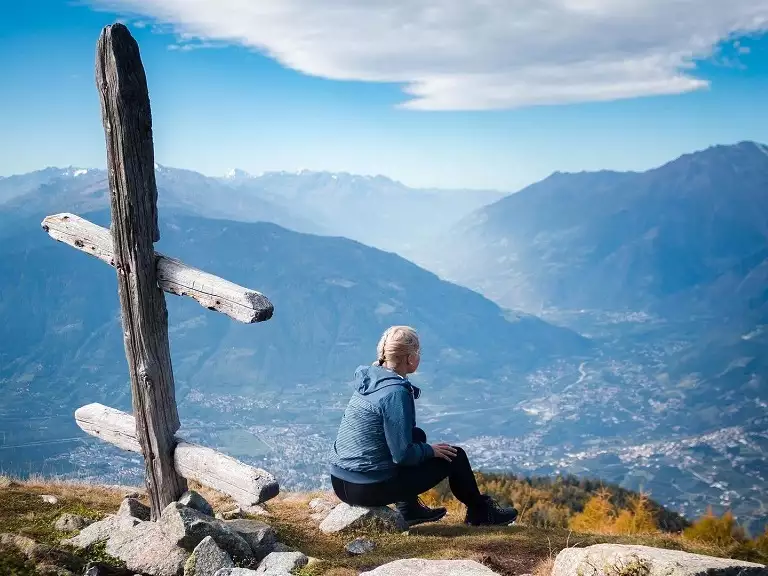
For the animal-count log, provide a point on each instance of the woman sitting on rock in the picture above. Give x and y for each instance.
(380, 457)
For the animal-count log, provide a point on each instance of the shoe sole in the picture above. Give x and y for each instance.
(434, 518)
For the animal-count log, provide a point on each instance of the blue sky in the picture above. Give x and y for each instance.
(413, 89)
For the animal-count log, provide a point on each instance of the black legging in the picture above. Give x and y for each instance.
(410, 481)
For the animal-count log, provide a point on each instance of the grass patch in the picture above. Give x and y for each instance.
(506, 550)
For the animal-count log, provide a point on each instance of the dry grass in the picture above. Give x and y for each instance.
(506, 550)
(544, 567)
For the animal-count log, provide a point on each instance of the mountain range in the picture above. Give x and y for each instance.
(620, 332)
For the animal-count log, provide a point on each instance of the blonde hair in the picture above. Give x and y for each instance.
(396, 342)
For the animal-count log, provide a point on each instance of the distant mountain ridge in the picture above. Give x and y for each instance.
(375, 210)
(610, 240)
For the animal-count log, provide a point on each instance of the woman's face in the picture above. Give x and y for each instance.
(413, 361)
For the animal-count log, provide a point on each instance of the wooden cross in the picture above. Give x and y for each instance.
(142, 276)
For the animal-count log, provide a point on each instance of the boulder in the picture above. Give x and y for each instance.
(255, 510)
(233, 514)
(360, 546)
(419, 567)
(48, 499)
(101, 531)
(260, 537)
(345, 517)
(145, 548)
(207, 559)
(281, 562)
(187, 528)
(236, 572)
(135, 509)
(618, 559)
(71, 522)
(192, 499)
(320, 505)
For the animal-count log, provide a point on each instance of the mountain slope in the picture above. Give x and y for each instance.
(62, 344)
(609, 240)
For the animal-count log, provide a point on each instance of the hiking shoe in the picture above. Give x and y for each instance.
(489, 513)
(418, 513)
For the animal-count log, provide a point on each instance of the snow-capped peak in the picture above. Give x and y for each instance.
(237, 174)
(80, 172)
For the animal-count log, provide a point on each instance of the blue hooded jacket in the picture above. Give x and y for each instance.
(376, 432)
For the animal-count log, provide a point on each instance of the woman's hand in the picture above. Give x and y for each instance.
(444, 451)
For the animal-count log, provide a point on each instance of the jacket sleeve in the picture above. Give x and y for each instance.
(398, 416)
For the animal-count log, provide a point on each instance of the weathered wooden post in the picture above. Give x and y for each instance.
(142, 276)
(127, 120)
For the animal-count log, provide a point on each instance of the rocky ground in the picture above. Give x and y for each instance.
(70, 529)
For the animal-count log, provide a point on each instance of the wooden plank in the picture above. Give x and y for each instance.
(173, 276)
(127, 120)
(248, 485)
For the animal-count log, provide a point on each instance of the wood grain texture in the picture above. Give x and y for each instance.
(246, 484)
(173, 276)
(127, 121)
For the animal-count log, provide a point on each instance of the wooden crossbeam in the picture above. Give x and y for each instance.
(248, 485)
(173, 276)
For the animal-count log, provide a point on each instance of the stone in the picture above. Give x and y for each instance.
(207, 559)
(101, 531)
(281, 547)
(345, 517)
(617, 559)
(100, 569)
(260, 536)
(187, 528)
(131, 495)
(232, 514)
(255, 510)
(419, 567)
(235, 572)
(360, 546)
(48, 499)
(280, 562)
(71, 522)
(135, 509)
(42, 554)
(319, 505)
(145, 548)
(194, 500)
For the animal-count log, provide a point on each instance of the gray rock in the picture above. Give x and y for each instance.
(192, 499)
(255, 510)
(360, 546)
(280, 562)
(135, 509)
(319, 505)
(232, 514)
(71, 522)
(207, 559)
(101, 531)
(419, 567)
(131, 495)
(145, 549)
(280, 547)
(187, 528)
(345, 517)
(613, 559)
(236, 572)
(48, 499)
(260, 537)
(101, 569)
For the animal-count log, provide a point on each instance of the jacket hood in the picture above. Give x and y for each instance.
(369, 379)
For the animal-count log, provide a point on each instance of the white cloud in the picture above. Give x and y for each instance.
(476, 54)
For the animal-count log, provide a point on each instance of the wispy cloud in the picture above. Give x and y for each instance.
(476, 54)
